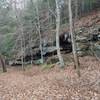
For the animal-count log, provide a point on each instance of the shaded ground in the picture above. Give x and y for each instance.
(52, 84)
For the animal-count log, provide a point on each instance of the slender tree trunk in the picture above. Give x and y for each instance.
(22, 56)
(82, 8)
(30, 42)
(39, 27)
(20, 25)
(76, 10)
(75, 21)
(57, 34)
(3, 64)
(73, 39)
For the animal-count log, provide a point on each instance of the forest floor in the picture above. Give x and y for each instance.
(52, 84)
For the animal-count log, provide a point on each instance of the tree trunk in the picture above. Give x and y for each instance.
(75, 20)
(22, 56)
(73, 39)
(37, 11)
(3, 64)
(76, 10)
(57, 34)
(20, 25)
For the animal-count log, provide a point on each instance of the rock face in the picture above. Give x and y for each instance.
(85, 43)
(88, 44)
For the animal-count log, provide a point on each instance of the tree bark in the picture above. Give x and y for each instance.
(57, 34)
(76, 10)
(73, 39)
(3, 64)
(39, 27)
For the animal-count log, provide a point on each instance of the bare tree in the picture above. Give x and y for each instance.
(57, 34)
(39, 31)
(73, 39)
(20, 27)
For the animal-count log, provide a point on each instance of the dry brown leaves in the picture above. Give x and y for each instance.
(53, 84)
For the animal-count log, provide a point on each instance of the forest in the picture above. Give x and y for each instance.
(49, 49)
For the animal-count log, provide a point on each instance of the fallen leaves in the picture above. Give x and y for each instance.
(52, 84)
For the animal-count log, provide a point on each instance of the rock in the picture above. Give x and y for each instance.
(82, 46)
(97, 49)
(52, 60)
(81, 39)
(82, 53)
